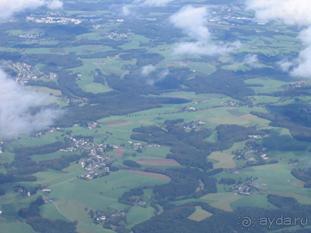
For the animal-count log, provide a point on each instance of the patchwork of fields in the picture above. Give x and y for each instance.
(149, 140)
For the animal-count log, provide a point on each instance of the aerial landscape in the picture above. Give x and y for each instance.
(155, 116)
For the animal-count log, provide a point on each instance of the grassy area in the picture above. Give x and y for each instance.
(138, 214)
(221, 201)
(72, 196)
(277, 179)
(199, 214)
(266, 85)
(257, 200)
(223, 159)
(15, 226)
(44, 139)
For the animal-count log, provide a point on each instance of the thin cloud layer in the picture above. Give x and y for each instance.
(129, 8)
(193, 22)
(147, 70)
(10, 7)
(301, 67)
(154, 3)
(290, 12)
(22, 111)
(251, 60)
(55, 4)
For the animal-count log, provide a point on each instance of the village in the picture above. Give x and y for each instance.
(246, 188)
(301, 84)
(253, 154)
(54, 20)
(26, 73)
(1, 147)
(194, 126)
(97, 162)
(112, 219)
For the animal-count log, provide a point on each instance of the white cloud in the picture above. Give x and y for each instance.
(301, 67)
(55, 4)
(193, 22)
(202, 48)
(129, 8)
(147, 70)
(154, 3)
(157, 76)
(285, 65)
(10, 7)
(126, 10)
(251, 60)
(290, 12)
(22, 111)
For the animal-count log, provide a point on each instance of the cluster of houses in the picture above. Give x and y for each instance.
(189, 109)
(299, 85)
(194, 126)
(109, 219)
(25, 73)
(30, 36)
(1, 147)
(246, 188)
(95, 166)
(50, 130)
(117, 36)
(230, 15)
(30, 191)
(24, 191)
(54, 20)
(253, 153)
(93, 125)
(139, 146)
(232, 103)
(97, 162)
(138, 201)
